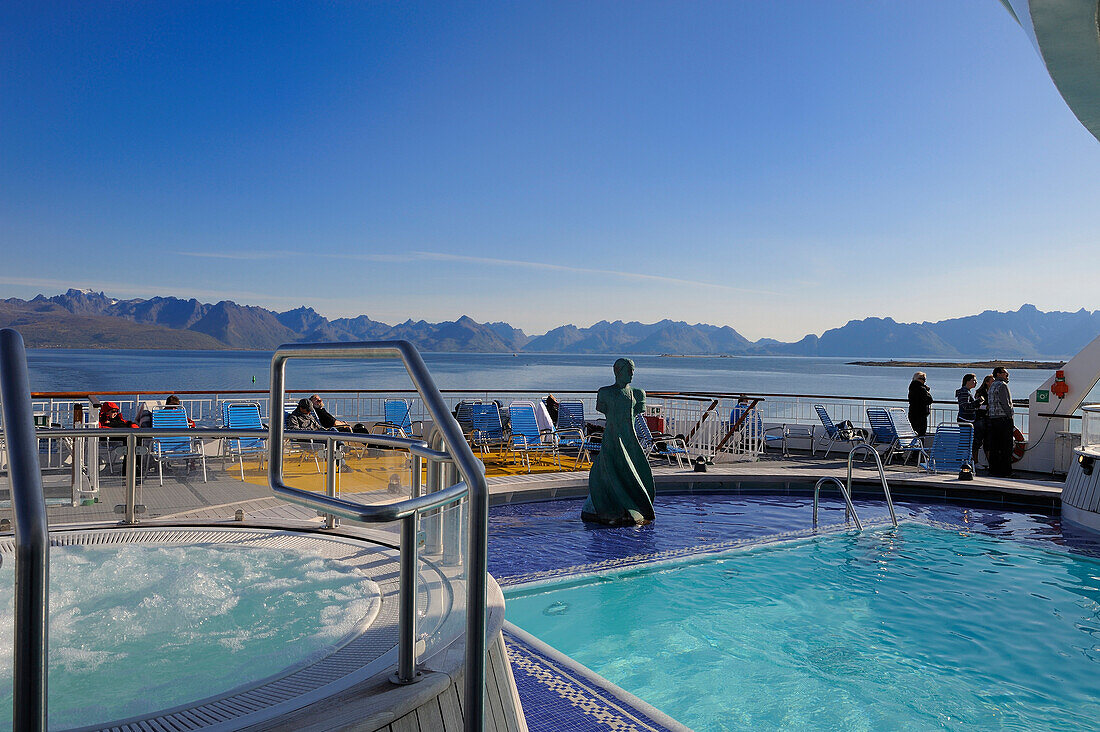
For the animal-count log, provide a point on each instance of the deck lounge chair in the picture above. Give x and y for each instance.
(526, 438)
(464, 415)
(243, 416)
(570, 426)
(834, 434)
(898, 439)
(399, 421)
(661, 445)
(488, 429)
(175, 449)
(951, 448)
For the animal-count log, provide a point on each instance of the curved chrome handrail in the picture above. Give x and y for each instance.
(32, 539)
(847, 500)
(473, 475)
(881, 475)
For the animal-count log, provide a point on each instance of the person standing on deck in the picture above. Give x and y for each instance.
(981, 421)
(920, 403)
(999, 440)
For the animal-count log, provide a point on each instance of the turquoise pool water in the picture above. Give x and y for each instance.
(915, 628)
(136, 629)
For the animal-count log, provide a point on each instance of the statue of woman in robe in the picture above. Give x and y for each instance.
(620, 484)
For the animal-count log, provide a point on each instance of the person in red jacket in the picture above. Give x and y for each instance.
(110, 416)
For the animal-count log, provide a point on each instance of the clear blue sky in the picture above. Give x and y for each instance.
(780, 167)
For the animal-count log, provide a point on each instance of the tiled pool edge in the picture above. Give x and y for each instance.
(576, 697)
(547, 487)
(534, 579)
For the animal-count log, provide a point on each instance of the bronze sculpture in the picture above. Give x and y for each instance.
(620, 484)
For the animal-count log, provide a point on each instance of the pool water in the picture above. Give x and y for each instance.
(136, 629)
(918, 627)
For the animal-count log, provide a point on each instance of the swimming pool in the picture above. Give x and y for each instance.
(146, 621)
(929, 626)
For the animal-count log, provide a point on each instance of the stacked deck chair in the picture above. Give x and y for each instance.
(662, 446)
(243, 416)
(951, 448)
(834, 434)
(526, 438)
(184, 449)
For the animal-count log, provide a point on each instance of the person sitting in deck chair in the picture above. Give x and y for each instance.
(326, 419)
(303, 418)
(174, 401)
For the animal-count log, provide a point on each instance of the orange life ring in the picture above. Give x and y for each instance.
(1019, 445)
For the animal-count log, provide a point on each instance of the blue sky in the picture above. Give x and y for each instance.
(777, 167)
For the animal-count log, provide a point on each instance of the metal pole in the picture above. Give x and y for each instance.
(417, 477)
(451, 517)
(131, 479)
(330, 479)
(406, 616)
(433, 528)
(32, 539)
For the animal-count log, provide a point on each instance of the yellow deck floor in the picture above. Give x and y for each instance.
(375, 469)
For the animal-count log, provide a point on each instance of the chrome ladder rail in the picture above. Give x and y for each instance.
(846, 490)
(32, 539)
(849, 508)
(881, 474)
(446, 433)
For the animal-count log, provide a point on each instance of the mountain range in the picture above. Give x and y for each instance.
(85, 319)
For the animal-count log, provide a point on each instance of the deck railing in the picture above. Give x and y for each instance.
(368, 405)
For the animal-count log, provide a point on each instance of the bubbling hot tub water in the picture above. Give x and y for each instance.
(136, 628)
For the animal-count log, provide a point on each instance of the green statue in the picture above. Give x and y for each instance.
(620, 484)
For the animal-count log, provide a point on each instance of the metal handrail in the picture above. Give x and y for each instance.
(32, 539)
(849, 509)
(881, 474)
(473, 475)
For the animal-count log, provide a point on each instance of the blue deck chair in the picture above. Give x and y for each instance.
(674, 447)
(525, 435)
(464, 415)
(951, 448)
(488, 429)
(175, 449)
(570, 426)
(398, 418)
(243, 416)
(834, 434)
(897, 439)
(753, 426)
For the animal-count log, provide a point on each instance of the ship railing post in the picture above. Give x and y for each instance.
(331, 522)
(406, 616)
(32, 540)
(131, 479)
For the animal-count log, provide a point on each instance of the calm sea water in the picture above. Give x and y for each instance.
(120, 370)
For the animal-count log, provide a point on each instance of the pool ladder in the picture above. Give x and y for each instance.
(846, 490)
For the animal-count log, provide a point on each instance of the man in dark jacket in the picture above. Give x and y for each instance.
(1000, 425)
(324, 417)
(302, 418)
(920, 403)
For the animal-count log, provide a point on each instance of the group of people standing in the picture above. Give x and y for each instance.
(988, 410)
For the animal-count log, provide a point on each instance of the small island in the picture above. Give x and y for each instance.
(1048, 365)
